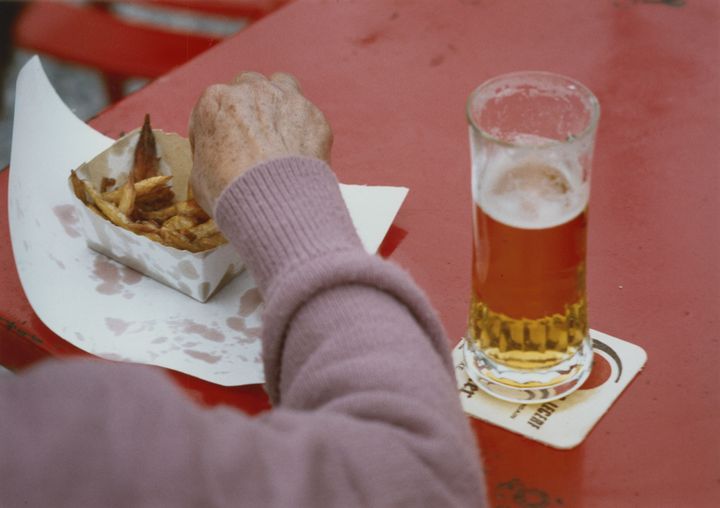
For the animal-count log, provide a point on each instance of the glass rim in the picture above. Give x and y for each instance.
(593, 101)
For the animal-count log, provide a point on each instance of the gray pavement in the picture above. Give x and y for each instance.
(80, 88)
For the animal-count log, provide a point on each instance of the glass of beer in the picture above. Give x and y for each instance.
(532, 136)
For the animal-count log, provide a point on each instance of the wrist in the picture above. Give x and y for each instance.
(285, 212)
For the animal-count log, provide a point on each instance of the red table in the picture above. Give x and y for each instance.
(392, 77)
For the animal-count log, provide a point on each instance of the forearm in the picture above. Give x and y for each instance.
(350, 338)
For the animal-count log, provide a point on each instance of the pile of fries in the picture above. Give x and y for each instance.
(145, 204)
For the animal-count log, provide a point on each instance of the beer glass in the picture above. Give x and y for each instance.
(531, 136)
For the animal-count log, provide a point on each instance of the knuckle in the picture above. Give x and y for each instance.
(213, 92)
(209, 100)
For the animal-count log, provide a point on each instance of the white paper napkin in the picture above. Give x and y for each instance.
(105, 308)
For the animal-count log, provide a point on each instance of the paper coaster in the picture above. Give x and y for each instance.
(562, 423)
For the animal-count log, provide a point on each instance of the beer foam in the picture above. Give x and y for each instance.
(532, 194)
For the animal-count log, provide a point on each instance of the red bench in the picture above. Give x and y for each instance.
(96, 37)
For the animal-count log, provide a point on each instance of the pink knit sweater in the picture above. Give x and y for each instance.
(357, 366)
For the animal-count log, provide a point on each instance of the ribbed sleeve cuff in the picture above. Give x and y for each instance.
(282, 213)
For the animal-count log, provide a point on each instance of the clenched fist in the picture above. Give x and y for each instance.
(254, 119)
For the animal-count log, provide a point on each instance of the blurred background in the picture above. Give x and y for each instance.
(97, 52)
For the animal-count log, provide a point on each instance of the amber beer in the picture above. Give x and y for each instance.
(532, 136)
(528, 278)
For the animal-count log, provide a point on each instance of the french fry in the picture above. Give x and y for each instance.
(155, 237)
(127, 197)
(191, 209)
(143, 188)
(209, 242)
(78, 187)
(176, 239)
(158, 198)
(206, 229)
(108, 209)
(94, 209)
(160, 215)
(179, 223)
(143, 227)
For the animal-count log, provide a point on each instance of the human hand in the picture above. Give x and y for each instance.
(254, 119)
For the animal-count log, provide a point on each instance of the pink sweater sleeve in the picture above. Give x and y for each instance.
(357, 367)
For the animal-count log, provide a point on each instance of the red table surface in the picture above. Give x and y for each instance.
(393, 77)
